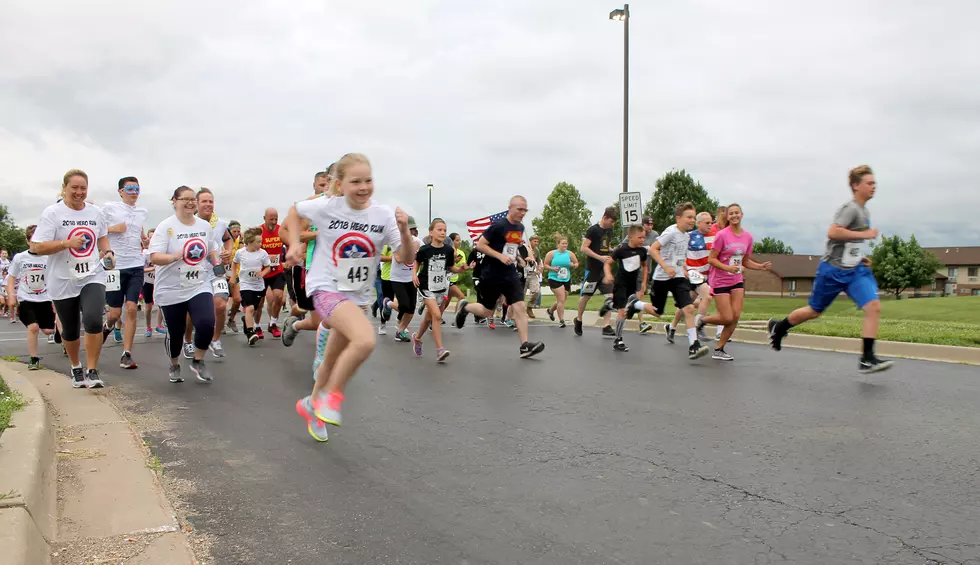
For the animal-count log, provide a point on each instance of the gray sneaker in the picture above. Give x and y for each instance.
(188, 350)
(216, 349)
(78, 378)
(174, 374)
(289, 333)
(316, 427)
(93, 380)
(670, 333)
(720, 355)
(201, 371)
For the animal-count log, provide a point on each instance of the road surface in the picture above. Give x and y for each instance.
(583, 455)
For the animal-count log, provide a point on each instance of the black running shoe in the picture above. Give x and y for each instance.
(78, 378)
(697, 351)
(531, 348)
(578, 326)
(620, 345)
(874, 365)
(607, 305)
(775, 338)
(461, 313)
(609, 332)
(670, 333)
(630, 312)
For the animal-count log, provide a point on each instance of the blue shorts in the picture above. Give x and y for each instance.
(130, 286)
(859, 283)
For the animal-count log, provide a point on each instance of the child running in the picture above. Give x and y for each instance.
(845, 267)
(253, 264)
(435, 260)
(351, 231)
(628, 285)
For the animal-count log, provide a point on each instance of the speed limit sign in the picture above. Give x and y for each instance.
(630, 208)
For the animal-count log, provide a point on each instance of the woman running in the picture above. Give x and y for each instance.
(70, 231)
(559, 264)
(461, 267)
(184, 251)
(351, 232)
(251, 265)
(435, 263)
(731, 252)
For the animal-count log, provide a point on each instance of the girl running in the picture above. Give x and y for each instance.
(559, 264)
(70, 231)
(435, 262)
(730, 254)
(351, 232)
(252, 264)
(461, 267)
(149, 280)
(26, 286)
(185, 252)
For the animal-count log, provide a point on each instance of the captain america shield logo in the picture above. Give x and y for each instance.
(88, 236)
(352, 245)
(194, 251)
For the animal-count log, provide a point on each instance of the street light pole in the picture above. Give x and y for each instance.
(623, 15)
(429, 187)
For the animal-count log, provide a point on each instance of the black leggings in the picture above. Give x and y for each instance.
(82, 311)
(201, 310)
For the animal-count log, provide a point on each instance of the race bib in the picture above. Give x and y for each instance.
(563, 273)
(437, 277)
(853, 253)
(250, 276)
(589, 288)
(695, 277)
(219, 286)
(112, 280)
(81, 267)
(735, 261)
(191, 276)
(34, 280)
(680, 262)
(150, 276)
(355, 274)
(631, 263)
(510, 250)
(274, 260)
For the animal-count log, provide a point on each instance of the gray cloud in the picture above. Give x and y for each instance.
(767, 104)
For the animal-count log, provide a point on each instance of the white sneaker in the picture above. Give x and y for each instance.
(216, 349)
(382, 330)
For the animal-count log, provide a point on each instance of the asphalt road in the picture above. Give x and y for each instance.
(583, 455)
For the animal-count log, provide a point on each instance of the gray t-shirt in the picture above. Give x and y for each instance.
(848, 254)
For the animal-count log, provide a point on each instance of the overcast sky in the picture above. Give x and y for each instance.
(767, 103)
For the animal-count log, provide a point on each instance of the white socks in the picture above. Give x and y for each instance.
(692, 336)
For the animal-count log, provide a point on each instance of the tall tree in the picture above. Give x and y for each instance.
(567, 214)
(672, 189)
(772, 245)
(901, 265)
(12, 237)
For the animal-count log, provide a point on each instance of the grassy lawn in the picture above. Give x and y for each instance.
(941, 321)
(10, 402)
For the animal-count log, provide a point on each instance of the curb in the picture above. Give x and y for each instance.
(28, 517)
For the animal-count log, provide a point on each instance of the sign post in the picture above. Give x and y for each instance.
(630, 208)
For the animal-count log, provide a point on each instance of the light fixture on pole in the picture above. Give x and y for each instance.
(429, 187)
(623, 15)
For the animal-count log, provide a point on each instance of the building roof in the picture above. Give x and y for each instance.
(801, 266)
(956, 255)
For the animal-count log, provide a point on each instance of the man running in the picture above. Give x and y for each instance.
(275, 281)
(595, 246)
(845, 267)
(219, 285)
(126, 236)
(532, 285)
(498, 277)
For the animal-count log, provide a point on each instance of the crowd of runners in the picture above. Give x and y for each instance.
(339, 255)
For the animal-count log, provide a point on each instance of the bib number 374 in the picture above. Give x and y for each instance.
(355, 274)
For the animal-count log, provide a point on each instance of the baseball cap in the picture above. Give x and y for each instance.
(411, 223)
(647, 220)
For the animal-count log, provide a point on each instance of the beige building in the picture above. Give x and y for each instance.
(961, 269)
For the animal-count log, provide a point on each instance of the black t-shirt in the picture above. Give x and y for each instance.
(503, 237)
(599, 243)
(629, 258)
(475, 259)
(434, 264)
(522, 251)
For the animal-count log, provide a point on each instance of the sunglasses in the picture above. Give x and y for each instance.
(131, 189)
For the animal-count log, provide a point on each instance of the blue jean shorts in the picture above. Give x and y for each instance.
(859, 283)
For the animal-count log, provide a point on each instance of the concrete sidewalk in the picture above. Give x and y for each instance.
(110, 505)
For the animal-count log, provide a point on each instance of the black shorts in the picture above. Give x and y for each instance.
(386, 290)
(593, 283)
(727, 289)
(621, 295)
(680, 287)
(492, 289)
(275, 282)
(148, 293)
(40, 313)
(130, 285)
(407, 296)
(299, 290)
(290, 275)
(553, 284)
(252, 298)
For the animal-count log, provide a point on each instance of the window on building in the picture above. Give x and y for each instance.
(934, 285)
(951, 272)
(971, 272)
(792, 285)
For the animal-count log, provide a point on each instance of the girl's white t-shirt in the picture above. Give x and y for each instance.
(71, 269)
(179, 282)
(31, 273)
(403, 273)
(251, 264)
(348, 246)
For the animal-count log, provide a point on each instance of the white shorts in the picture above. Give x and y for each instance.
(430, 295)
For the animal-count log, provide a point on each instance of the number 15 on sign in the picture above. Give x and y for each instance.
(630, 208)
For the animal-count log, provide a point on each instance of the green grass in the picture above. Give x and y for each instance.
(940, 321)
(10, 402)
